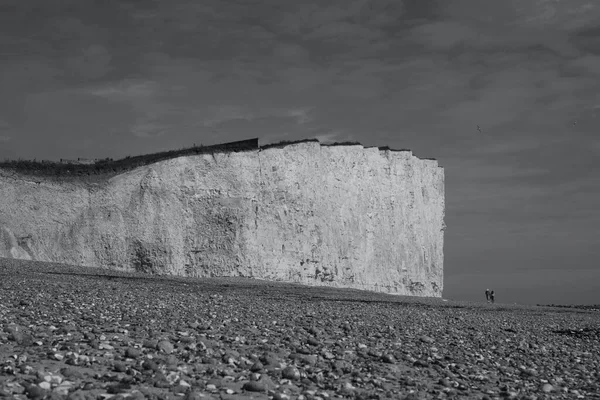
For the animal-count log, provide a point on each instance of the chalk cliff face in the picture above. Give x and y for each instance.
(344, 216)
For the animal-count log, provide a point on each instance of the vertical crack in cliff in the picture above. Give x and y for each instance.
(259, 167)
(261, 183)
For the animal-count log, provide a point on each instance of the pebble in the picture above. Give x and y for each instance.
(198, 396)
(257, 366)
(150, 365)
(285, 344)
(105, 346)
(165, 346)
(547, 388)
(64, 388)
(291, 373)
(80, 395)
(120, 367)
(132, 353)
(426, 339)
(254, 386)
(35, 392)
(388, 358)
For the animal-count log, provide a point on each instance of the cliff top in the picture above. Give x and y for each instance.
(101, 169)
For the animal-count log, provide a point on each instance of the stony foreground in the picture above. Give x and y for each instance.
(77, 333)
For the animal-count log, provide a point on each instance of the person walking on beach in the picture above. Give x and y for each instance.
(487, 295)
(492, 296)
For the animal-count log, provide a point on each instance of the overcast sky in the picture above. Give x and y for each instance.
(85, 78)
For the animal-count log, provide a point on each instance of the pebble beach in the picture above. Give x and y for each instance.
(85, 333)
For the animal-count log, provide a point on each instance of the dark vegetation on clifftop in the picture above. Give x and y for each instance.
(109, 166)
(284, 143)
(105, 168)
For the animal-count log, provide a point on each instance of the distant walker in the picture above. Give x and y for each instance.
(487, 295)
(492, 296)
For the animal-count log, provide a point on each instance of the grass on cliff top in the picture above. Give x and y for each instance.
(285, 143)
(102, 169)
(105, 168)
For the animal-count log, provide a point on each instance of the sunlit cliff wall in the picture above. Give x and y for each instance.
(344, 216)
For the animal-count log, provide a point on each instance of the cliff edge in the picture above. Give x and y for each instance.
(346, 216)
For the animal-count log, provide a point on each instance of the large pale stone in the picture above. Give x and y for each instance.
(344, 216)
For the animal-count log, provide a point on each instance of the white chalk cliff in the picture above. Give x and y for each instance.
(344, 216)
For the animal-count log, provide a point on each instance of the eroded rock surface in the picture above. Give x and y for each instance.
(344, 216)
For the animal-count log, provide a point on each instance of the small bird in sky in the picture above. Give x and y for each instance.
(478, 128)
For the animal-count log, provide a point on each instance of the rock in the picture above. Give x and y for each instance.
(179, 389)
(547, 388)
(426, 339)
(35, 392)
(131, 352)
(165, 346)
(270, 358)
(310, 359)
(199, 396)
(256, 367)
(171, 360)
(53, 378)
(64, 388)
(254, 386)
(105, 346)
(81, 395)
(291, 373)
(388, 358)
(117, 388)
(162, 383)
(150, 365)
(120, 367)
(313, 331)
(150, 343)
(23, 339)
(71, 373)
